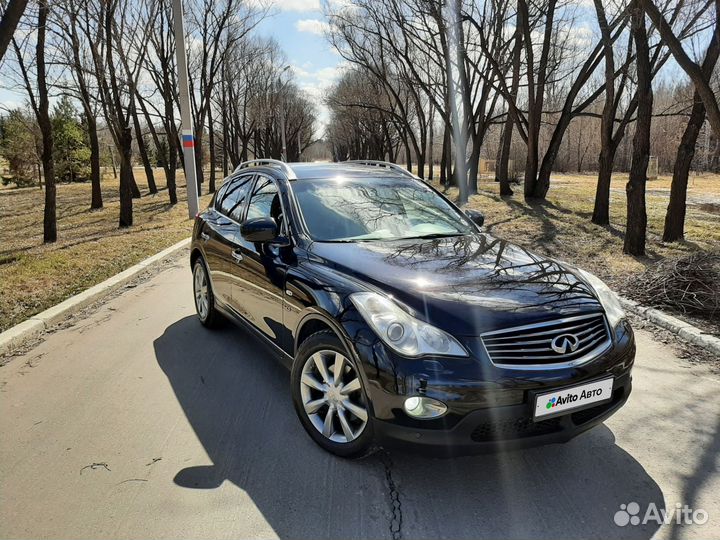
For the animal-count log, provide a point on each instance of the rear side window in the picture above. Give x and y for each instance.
(232, 196)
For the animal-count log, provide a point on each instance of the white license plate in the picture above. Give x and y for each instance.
(570, 399)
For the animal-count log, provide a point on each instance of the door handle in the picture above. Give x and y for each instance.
(205, 236)
(237, 255)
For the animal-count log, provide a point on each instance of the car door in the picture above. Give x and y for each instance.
(259, 281)
(221, 233)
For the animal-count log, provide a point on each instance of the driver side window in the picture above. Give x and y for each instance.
(265, 201)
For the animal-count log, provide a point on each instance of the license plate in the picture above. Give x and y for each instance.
(571, 399)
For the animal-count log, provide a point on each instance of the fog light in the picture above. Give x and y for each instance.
(424, 407)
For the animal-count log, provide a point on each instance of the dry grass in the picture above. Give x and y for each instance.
(561, 225)
(90, 247)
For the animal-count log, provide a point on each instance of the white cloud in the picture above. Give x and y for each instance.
(316, 84)
(289, 5)
(313, 26)
(300, 72)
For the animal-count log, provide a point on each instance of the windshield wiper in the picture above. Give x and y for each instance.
(436, 235)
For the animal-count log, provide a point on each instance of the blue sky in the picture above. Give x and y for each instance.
(298, 25)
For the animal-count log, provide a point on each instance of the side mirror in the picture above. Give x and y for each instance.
(478, 218)
(263, 229)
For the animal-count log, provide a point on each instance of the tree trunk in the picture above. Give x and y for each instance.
(431, 142)
(635, 231)
(444, 159)
(675, 216)
(408, 155)
(143, 153)
(127, 179)
(531, 165)
(134, 189)
(96, 200)
(199, 158)
(172, 151)
(601, 209)
(112, 159)
(43, 118)
(474, 165)
(503, 171)
(211, 142)
(543, 181)
(12, 13)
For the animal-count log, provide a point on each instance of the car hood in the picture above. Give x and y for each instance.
(466, 285)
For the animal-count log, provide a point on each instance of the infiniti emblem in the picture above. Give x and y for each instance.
(565, 343)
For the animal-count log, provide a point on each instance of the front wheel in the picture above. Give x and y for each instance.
(202, 291)
(329, 397)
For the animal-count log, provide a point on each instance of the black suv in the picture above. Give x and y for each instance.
(400, 319)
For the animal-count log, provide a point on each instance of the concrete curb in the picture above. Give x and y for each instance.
(19, 334)
(686, 331)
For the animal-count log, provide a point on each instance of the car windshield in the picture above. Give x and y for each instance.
(363, 209)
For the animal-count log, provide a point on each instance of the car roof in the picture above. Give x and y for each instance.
(316, 170)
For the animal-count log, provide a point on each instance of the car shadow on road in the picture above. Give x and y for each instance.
(235, 396)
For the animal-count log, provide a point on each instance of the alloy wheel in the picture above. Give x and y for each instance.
(200, 287)
(332, 396)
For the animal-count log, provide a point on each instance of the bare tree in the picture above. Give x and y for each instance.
(75, 28)
(118, 57)
(160, 66)
(675, 216)
(215, 27)
(636, 211)
(37, 88)
(686, 21)
(691, 68)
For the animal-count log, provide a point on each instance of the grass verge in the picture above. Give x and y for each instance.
(90, 247)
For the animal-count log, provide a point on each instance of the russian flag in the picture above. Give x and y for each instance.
(188, 140)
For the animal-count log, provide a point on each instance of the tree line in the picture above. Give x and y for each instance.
(474, 73)
(115, 62)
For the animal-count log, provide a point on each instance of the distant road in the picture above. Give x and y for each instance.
(136, 422)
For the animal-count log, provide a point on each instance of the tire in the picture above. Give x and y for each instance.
(349, 435)
(204, 302)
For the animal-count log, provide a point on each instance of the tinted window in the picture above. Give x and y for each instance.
(220, 193)
(232, 196)
(265, 201)
(353, 209)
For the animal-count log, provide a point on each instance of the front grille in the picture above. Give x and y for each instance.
(514, 428)
(532, 344)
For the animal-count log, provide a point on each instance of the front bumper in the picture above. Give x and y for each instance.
(501, 428)
(489, 407)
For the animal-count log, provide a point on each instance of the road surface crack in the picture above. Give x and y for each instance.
(94, 466)
(395, 502)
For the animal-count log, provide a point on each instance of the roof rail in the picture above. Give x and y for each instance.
(386, 164)
(284, 167)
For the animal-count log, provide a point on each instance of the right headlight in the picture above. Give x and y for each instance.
(401, 331)
(608, 299)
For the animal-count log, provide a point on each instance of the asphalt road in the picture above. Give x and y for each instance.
(136, 422)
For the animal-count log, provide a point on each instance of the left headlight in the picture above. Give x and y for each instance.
(608, 299)
(401, 331)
